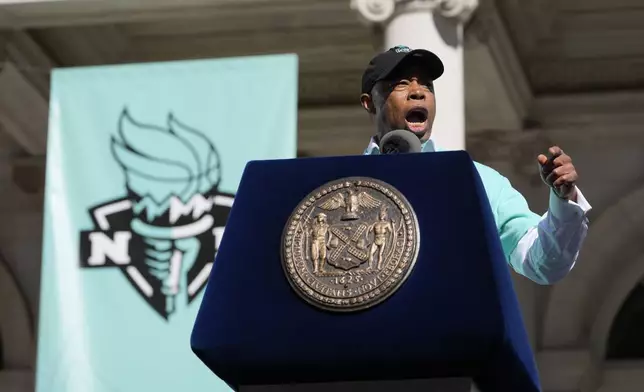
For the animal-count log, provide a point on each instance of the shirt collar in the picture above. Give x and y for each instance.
(373, 149)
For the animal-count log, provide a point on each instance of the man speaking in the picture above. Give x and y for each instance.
(398, 93)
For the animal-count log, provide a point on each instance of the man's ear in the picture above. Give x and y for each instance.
(367, 103)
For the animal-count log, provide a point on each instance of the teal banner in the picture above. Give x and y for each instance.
(143, 162)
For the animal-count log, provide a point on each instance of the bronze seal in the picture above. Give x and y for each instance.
(350, 244)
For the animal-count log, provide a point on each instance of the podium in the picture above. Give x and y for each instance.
(453, 319)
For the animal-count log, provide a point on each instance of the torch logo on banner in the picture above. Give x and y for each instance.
(164, 232)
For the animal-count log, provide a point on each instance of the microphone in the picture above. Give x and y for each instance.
(399, 141)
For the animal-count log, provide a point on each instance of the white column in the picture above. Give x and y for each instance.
(435, 25)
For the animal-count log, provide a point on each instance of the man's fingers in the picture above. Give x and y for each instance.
(549, 161)
(566, 179)
(555, 174)
(562, 160)
(565, 169)
(559, 172)
(546, 166)
(555, 151)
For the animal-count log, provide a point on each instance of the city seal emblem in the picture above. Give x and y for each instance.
(350, 244)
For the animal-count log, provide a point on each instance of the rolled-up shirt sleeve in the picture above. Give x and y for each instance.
(548, 251)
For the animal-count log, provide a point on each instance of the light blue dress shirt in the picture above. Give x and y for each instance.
(541, 248)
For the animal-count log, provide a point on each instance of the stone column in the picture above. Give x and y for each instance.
(435, 25)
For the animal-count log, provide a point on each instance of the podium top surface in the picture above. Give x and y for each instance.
(456, 314)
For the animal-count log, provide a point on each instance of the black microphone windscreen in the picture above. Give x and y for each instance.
(399, 141)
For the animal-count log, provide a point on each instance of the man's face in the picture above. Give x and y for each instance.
(404, 101)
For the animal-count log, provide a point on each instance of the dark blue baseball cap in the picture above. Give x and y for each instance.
(383, 64)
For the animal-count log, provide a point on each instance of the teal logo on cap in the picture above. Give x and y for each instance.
(402, 49)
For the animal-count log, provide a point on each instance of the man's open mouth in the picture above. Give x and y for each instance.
(416, 119)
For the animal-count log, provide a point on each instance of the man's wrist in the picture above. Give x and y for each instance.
(563, 208)
(573, 194)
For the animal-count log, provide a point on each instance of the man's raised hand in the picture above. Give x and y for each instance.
(558, 172)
